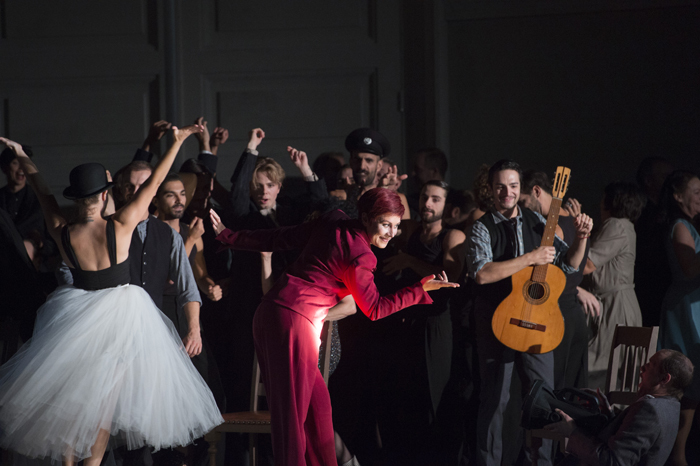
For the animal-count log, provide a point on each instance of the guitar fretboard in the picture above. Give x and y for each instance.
(539, 273)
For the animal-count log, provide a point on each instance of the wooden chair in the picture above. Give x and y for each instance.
(256, 422)
(632, 347)
(533, 442)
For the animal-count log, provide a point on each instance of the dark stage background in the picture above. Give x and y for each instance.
(596, 85)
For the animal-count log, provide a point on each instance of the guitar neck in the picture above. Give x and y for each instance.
(550, 229)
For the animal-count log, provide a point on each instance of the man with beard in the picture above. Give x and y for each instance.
(170, 206)
(416, 430)
(158, 257)
(367, 148)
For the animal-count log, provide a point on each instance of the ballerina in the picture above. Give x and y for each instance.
(103, 360)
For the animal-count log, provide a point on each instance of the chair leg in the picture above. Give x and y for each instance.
(252, 449)
(213, 439)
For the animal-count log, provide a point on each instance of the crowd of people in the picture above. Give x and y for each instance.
(146, 304)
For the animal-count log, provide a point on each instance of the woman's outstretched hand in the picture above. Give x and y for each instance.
(435, 282)
(216, 222)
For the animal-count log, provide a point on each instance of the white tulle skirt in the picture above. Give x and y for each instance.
(105, 359)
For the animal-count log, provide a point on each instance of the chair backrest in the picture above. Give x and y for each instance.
(632, 347)
(257, 388)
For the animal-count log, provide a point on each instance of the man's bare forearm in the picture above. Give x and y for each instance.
(192, 315)
(492, 272)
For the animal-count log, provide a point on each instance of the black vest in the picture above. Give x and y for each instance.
(150, 260)
(504, 237)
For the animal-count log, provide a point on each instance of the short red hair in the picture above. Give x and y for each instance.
(380, 201)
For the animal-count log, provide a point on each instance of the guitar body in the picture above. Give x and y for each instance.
(528, 319)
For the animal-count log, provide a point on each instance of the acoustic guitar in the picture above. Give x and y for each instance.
(528, 319)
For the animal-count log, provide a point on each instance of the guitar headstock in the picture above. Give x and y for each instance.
(561, 182)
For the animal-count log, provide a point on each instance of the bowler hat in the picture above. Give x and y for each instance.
(86, 180)
(367, 140)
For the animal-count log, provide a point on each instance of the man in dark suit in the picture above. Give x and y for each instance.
(645, 432)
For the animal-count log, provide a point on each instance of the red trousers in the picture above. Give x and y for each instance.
(300, 407)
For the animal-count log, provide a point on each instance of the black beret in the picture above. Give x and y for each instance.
(367, 140)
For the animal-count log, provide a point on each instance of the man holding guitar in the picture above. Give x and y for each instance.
(502, 243)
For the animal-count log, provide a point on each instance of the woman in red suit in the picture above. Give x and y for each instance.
(336, 261)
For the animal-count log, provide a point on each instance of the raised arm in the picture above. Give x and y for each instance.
(203, 138)
(52, 212)
(584, 226)
(130, 215)
(218, 138)
(243, 173)
(315, 187)
(155, 133)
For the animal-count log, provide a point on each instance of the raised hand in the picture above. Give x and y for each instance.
(584, 225)
(155, 133)
(435, 282)
(203, 137)
(216, 222)
(14, 146)
(300, 160)
(573, 207)
(392, 179)
(218, 138)
(180, 134)
(255, 137)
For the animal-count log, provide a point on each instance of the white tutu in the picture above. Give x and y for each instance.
(102, 359)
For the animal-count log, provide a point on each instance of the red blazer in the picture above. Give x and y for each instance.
(336, 260)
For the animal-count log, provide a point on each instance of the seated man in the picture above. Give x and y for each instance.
(643, 433)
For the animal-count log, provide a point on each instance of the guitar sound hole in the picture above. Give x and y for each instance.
(536, 291)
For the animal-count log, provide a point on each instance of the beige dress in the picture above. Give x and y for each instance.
(613, 253)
